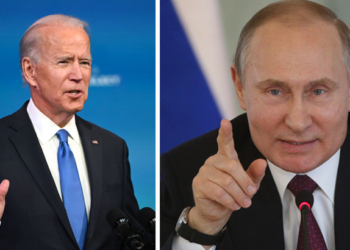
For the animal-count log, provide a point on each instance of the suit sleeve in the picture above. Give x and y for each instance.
(171, 203)
(130, 205)
(171, 207)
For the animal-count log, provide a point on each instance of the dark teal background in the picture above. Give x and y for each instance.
(122, 37)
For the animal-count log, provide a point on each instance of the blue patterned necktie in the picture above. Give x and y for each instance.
(72, 192)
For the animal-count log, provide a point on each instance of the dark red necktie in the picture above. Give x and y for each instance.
(316, 240)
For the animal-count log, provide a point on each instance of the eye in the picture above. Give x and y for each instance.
(87, 63)
(318, 91)
(275, 92)
(63, 62)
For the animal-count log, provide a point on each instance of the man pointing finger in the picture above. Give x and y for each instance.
(291, 77)
(222, 185)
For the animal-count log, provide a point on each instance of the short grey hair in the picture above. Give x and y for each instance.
(30, 42)
(302, 9)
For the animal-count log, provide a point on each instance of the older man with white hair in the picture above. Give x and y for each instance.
(65, 173)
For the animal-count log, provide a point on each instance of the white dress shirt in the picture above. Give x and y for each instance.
(46, 130)
(323, 208)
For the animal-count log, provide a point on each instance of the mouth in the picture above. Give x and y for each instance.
(297, 143)
(74, 92)
(297, 146)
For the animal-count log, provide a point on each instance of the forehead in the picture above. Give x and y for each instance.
(56, 38)
(292, 49)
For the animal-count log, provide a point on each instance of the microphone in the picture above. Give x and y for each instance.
(304, 201)
(147, 218)
(120, 224)
(304, 198)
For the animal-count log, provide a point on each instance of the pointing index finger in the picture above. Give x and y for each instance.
(225, 140)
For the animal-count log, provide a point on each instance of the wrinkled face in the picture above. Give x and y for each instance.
(60, 82)
(296, 94)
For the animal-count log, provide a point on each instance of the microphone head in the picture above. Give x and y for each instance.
(116, 216)
(304, 196)
(146, 217)
(131, 236)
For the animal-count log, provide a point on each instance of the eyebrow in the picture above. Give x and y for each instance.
(63, 58)
(269, 82)
(324, 80)
(86, 58)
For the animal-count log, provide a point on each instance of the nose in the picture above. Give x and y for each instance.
(75, 74)
(298, 117)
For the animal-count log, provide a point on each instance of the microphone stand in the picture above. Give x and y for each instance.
(304, 201)
(304, 213)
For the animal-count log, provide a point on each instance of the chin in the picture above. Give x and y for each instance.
(73, 110)
(75, 107)
(297, 165)
(78, 109)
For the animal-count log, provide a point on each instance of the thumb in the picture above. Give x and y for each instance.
(4, 187)
(256, 171)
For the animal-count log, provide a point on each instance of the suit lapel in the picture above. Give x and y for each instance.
(92, 146)
(29, 149)
(342, 199)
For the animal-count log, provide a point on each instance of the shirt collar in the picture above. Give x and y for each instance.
(45, 128)
(324, 175)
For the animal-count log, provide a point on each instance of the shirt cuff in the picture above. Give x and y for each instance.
(180, 243)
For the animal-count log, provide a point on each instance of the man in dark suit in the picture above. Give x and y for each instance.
(45, 139)
(236, 185)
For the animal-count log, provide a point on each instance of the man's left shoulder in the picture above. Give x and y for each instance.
(85, 126)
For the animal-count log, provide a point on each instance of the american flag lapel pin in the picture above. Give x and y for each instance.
(94, 142)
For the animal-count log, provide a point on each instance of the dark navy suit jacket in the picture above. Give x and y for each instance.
(34, 216)
(261, 225)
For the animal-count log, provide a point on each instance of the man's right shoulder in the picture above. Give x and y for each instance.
(197, 150)
(15, 121)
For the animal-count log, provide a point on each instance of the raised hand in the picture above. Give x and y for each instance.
(222, 185)
(4, 187)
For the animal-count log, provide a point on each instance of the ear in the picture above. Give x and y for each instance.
(238, 86)
(28, 69)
